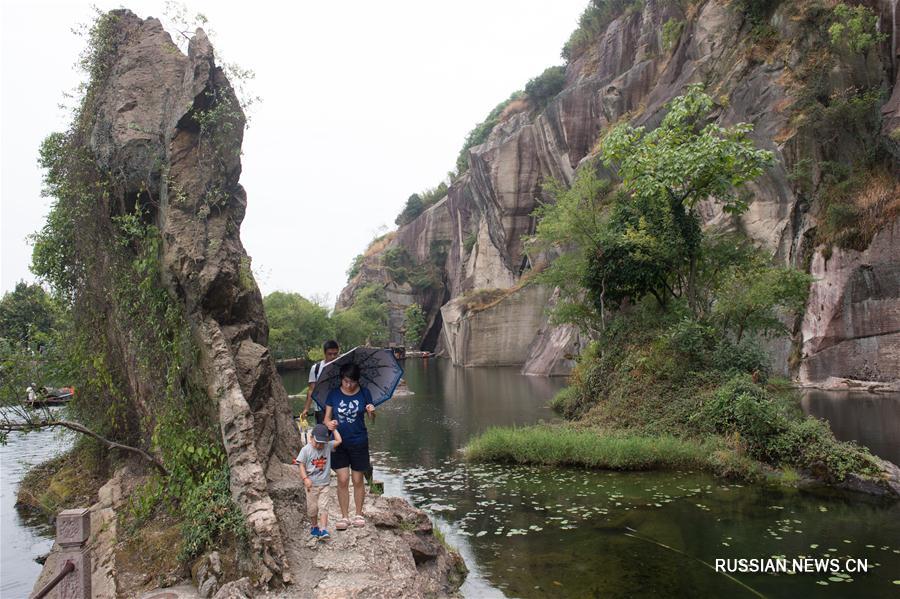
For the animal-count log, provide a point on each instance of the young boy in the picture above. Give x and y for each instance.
(315, 468)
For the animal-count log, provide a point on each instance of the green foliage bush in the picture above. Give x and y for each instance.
(671, 33)
(469, 242)
(545, 86)
(355, 267)
(741, 406)
(414, 324)
(855, 27)
(593, 23)
(746, 355)
(482, 130)
(209, 515)
(413, 208)
(366, 321)
(692, 339)
(296, 325)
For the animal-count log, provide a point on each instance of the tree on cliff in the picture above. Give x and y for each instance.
(645, 237)
(665, 173)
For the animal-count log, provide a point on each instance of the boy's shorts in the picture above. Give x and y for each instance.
(355, 456)
(317, 501)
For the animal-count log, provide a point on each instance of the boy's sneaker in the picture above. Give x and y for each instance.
(314, 531)
(323, 534)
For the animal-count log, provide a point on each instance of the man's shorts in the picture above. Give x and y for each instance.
(317, 501)
(355, 456)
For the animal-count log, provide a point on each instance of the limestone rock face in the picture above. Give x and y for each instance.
(627, 74)
(497, 336)
(852, 324)
(148, 131)
(169, 127)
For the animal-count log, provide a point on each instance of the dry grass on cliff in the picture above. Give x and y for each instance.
(852, 217)
(878, 202)
(516, 106)
(478, 300)
(379, 244)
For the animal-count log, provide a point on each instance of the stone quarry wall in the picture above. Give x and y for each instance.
(629, 74)
(497, 336)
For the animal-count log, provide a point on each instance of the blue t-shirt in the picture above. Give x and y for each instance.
(350, 411)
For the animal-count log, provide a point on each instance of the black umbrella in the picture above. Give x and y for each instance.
(379, 373)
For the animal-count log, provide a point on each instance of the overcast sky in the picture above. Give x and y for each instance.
(362, 104)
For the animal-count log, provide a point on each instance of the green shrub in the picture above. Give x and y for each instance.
(772, 435)
(856, 27)
(415, 323)
(545, 86)
(413, 208)
(691, 339)
(397, 262)
(758, 12)
(593, 23)
(742, 406)
(671, 32)
(209, 514)
(469, 242)
(355, 267)
(745, 356)
(568, 402)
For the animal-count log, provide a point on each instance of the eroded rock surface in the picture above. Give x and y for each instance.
(628, 74)
(168, 128)
(851, 329)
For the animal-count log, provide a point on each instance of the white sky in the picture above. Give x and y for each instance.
(363, 103)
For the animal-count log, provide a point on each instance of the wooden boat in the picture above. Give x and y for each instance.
(51, 397)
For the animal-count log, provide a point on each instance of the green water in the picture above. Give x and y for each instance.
(538, 532)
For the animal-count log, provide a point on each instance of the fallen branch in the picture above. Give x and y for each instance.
(74, 426)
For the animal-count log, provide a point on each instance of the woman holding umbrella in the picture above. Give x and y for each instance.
(345, 409)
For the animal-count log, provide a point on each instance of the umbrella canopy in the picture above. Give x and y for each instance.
(379, 373)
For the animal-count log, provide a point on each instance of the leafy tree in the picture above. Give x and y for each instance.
(681, 162)
(545, 86)
(856, 27)
(28, 315)
(750, 299)
(570, 228)
(366, 321)
(296, 324)
(413, 208)
(415, 324)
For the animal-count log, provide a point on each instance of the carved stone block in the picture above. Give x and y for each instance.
(73, 527)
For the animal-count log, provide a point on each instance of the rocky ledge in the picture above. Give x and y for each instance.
(396, 554)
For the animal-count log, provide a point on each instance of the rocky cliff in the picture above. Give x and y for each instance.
(160, 131)
(813, 104)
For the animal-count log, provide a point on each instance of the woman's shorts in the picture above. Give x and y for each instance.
(355, 456)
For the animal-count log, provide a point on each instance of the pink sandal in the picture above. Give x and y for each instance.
(341, 524)
(359, 521)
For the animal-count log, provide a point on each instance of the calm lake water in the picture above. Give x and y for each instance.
(22, 538)
(538, 532)
(870, 419)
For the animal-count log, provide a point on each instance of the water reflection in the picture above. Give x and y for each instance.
(870, 419)
(538, 532)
